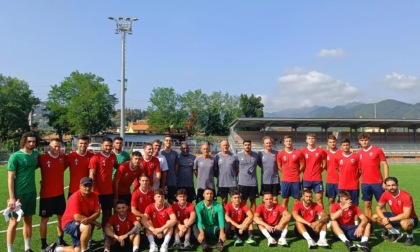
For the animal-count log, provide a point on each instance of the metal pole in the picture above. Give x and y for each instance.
(122, 125)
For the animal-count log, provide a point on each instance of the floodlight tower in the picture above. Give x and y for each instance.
(123, 26)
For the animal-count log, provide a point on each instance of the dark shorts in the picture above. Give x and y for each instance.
(72, 229)
(314, 235)
(331, 191)
(171, 193)
(200, 196)
(349, 231)
(248, 192)
(117, 246)
(398, 223)
(291, 189)
(368, 190)
(126, 198)
(106, 201)
(190, 193)
(28, 201)
(54, 205)
(316, 186)
(224, 192)
(354, 196)
(273, 188)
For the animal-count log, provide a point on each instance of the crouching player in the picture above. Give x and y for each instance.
(239, 219)
(123, 228)
(159, 220)
(185, 214)
(402, 212)
(272, 219)
(343, 225)
(307, 225)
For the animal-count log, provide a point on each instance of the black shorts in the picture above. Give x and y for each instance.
(117, 247)
(126, 198)
(54, 205)
(248, 192)
(223, 192)
(314, 235)
(190, 193)
(273, 188)
(106, 201)
(200, 196)
(171, 193)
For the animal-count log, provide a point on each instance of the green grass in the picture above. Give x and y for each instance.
(408, 175)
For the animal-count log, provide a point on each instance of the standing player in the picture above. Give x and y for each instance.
(185, 177)
(122, 155)
(210, 222)
(151, 166)
(290, 163)
(331, 190)
(52, 199)
(343, 225)
(126, 173)
(186, 216)
(21, 185)
(204, 171)
(371, 159)
(101, 166)
(238, 218)
(270, 181)
(248, 184)
(348, 167)
(157, 145)
(315, 163)
(172, 160)
(402, 212)
(142, 197)
(307, 225)
(123, 228)
(226, 166)
(78, 163)
(159, 220)
(273, 220)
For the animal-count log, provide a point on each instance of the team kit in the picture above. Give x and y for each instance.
(152, 193)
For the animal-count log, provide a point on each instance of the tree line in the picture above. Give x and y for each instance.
(82, 103)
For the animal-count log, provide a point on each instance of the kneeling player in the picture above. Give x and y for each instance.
(238, 218)
(343, 225)
(305, 213)
(185, 214)
(159, 220)
(272, 219)
(123, 228)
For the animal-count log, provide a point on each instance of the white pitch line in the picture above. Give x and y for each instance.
(36, 225)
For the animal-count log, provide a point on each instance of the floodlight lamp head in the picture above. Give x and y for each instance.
(111, 18)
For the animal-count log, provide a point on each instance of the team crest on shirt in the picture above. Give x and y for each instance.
(390, 202)
(341, 162)
(328, 158)
(117, 227)
(239, 212)
(140, 200)
(285, 158)
(220, 161)
(61, 160)
(104, 163)
(350, 213)
(274, 213)
(49, 164)
(154, 215)
(76, 161)
(371, 154)
(316, 154)
(399, 203)
(352, 160)
(178, 213)
(152, 166)
(163, 214)
(252, 159)
(201, 163)
(306, 155)
(311, 212)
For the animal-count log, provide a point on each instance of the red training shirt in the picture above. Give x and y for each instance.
(183, 213)
(77, 204)
(308, 213)
(159, 217)
(290, 163)
(126, 175)
(397, 203)
(332, 165)
(238, 215)
(270, 216)
(349, 172)
(347, 217)
(370, 164)
(103, 177)
(78, 166)
(141, 200)
(313, 162)
(52, 175)
(122, 226)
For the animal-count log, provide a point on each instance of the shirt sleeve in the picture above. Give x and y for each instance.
(195, 167)
(164, 163)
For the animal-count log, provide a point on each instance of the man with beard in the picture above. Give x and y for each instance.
(185, 173)
(172, 160)
(122, 155)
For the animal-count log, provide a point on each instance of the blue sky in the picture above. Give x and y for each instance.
(292, 53)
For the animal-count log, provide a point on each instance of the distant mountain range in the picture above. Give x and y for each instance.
(386, 109)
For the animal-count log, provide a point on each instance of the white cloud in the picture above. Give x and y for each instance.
(401, 81)
(331, 53)
(311, 88)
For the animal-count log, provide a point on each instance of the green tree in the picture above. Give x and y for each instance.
(17, 101)
(193, 102)
(251, 106)
(80, 103)
(165, 111)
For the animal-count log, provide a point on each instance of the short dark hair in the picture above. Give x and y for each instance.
(157, 141)
(120, 201)
(332, 137)
(181, 191)
(106, 139)
(346, 140)
(234, 193)
(147, 144)
(344, 193)
(83, 136)
(246, 141)
(118, 138)
(136, 154)
(266, 193)
(160, 192)
(363, 135)
(391, 179)
(306, 190)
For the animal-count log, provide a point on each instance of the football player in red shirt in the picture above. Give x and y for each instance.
(402, 212)
(52, 199)
(307, 226)
(348, 168)
(123, 228)
(315, 164)
(158, 221)
(343, 224)
(272, 219)
(331, 187)
(185, 215)
(142, 197)
(126, 173)
(239, 219)
(371, 159)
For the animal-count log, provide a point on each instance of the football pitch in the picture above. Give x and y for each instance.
(407, 174)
